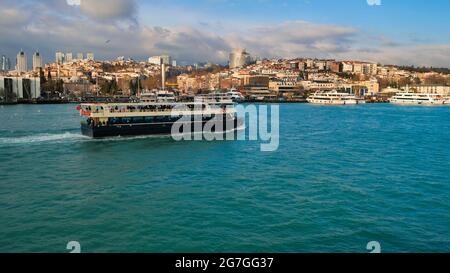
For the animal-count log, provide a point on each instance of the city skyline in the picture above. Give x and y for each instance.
(201, 31)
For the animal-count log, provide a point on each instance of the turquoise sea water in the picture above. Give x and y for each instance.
(342, 176)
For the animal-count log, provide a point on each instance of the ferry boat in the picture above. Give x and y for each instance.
(333, 98)
(410, 98)
(232, 95)
(235, 95)
(214, 97)
(134, 119)
(165, 96)
(157, 96)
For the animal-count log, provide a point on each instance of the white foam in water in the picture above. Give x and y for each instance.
(41, 138)
(125, 138)
(79, 137)
(168, 136)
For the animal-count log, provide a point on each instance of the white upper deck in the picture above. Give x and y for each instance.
(111, 110)
(417, 95)
(332, 95)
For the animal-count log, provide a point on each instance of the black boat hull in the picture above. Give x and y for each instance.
(125, 130)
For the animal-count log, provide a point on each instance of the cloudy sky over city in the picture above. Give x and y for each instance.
(388, 31)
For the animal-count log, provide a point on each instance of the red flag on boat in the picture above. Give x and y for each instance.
(78, 108)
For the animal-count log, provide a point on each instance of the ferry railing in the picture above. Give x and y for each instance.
(162, 110)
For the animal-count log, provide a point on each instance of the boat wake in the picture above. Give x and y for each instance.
(41, 138)
(67, 136)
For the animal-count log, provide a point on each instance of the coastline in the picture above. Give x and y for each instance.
(93, 101)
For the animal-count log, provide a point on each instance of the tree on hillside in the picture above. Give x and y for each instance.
(133, 86)
(436, 79)
(114, 88)
(59, 86)
(345, 75)
(105, 87)
(42, 76)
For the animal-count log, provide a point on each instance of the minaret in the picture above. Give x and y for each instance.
(163, 76)
(139, 85)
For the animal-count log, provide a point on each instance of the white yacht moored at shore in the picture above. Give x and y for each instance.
(214, 97)
(334, 98)
(410, 98)
(235, 95)
(157, 96)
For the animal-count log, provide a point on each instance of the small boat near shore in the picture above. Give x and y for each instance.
(232, 96)
(157, 96)
(426, 99)
(334, 98)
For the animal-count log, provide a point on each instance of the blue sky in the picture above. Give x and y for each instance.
(393, 17)
(396, 31)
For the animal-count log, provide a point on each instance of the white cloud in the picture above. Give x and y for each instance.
(419, 55)
(73, 2)
(13, 17)
(108, 9)
(294, 38)
(374, 2)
